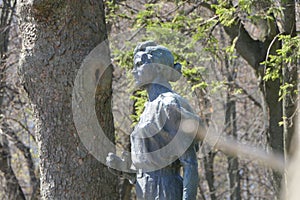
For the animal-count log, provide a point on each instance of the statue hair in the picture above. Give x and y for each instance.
(162, 58)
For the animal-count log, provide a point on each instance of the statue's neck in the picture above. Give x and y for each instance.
(154, 90)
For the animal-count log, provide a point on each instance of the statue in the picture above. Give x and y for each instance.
(159, 143)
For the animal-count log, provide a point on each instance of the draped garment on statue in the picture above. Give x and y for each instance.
(160, 146)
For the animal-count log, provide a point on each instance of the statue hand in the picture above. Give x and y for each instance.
(114, 161)
(122, 163)
(121, 166)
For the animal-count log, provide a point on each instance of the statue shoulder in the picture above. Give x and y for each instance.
(168, 98)
(174, 99)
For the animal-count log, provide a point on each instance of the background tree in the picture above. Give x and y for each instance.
(57, 35)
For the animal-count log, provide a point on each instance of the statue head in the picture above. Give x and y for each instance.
(154, 64)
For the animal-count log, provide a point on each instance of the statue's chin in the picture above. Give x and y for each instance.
(140, 85)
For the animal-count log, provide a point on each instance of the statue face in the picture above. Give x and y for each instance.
(144, 70)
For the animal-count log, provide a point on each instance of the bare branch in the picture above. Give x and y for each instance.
(27, 155)
(22, 125)
(202, 4)
(249, 95)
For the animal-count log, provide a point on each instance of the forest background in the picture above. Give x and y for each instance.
(240, 64)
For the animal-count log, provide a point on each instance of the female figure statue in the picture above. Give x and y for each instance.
(159, 143)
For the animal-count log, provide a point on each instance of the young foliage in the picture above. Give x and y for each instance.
(225, 12)
(287, 55)
(140, 98)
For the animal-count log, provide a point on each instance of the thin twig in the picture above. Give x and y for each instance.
(22, 125)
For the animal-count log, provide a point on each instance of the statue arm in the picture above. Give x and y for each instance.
(194, 127)
(190, 173)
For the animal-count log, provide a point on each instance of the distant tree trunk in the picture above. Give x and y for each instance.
(209, 173)
(57, 35)
(7, 10)
(231, 130)
(289, 76)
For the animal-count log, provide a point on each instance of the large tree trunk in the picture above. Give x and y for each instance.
(57, 35)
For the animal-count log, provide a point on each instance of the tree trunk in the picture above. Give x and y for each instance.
(57, 35)
(275, 132)
(209, 174)
(231, 130)
(289, 76)
(7, 11)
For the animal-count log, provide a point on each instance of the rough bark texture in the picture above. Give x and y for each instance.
(290, 75)
(57, 35)
(7, 11)
(209, 174)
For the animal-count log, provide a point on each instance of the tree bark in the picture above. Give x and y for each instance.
(7, 11)
(231, 131)
(57, 35)
(287, 26)
(209, 174)
(290, 75)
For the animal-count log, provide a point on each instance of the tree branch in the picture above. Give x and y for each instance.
(203, 4)
(12, 188)
(248, 95)
(287, 23)
(27, 155)
(22, 125)
(251, 50)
